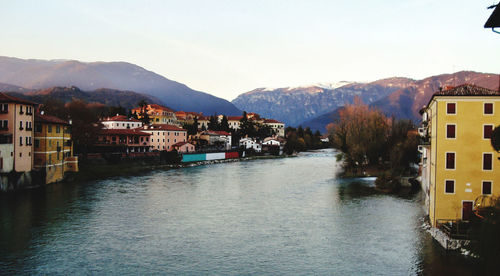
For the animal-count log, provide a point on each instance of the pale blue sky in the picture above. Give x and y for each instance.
(229, 47)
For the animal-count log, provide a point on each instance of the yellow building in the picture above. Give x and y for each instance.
(157, 114)
(53, 148)
(458, 162)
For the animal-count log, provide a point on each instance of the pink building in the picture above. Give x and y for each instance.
(16, 134)
(164, 136)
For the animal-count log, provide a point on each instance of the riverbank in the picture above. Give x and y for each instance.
(89, 172)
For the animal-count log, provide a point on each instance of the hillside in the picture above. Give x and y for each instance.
(89, 76)
(406, 102)
(126, 99)
(296, 105)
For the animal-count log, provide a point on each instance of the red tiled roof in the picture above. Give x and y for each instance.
(121, 118)
(134, 131)
(465, 90)
(272, 121)
(163, 127)
(11, 99)
(157, 106)
(49, 119)
(180, 144)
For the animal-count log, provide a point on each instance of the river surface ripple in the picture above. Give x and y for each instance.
(290, 216)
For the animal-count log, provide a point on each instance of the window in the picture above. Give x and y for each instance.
(27, 125)
(5, 108)
(20, 140)
(20, 109)
(27, 141)
(487, 131)
(37, 143)
(49, 128)
(38, 127)
(451, 131)
(20, 125)
(451, 108)
(5, 124)
(449, 186)
(488, 108)
(450, 160)
(486, 187)
(487, 161)
(30, 140)
(58, 129)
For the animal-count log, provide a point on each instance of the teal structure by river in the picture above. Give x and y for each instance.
(289, 216)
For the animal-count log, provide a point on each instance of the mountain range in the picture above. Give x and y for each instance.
(125, 84)
(293, 106)
(32, 74)
(406, 102)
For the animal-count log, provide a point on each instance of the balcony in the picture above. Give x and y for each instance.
(29, 129)
(457, 229)
(4, 111)
(29, 113)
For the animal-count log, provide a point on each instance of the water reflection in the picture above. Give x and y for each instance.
(285, 216)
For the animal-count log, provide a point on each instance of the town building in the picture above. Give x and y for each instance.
(158, 114)
(249, 143)
(53, 148)
(187, 117)
(184, 147)
(164, 136)
(459, 164)
(122, 141)
(16, 134)
(120, 122)
(203, 122)
(277, 126)
(220, 140)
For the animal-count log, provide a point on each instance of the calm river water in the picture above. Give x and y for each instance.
(288, 216)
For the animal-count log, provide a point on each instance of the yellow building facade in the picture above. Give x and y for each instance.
(157, 114)
(53, 148)
(459, 164)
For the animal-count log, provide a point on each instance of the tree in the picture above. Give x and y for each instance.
(495, 138)
(213, 123)
(55, 107)
(224, 124)
(360, 133)
(85, 125)
(144, 115)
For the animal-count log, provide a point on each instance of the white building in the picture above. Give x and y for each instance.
(121, 122)
(277, 126)
(249, 143)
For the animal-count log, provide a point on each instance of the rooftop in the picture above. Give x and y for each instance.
(11, 99)
(163, 127)
(134, 131)
(120, 118)
(49, 119)
(467, 90)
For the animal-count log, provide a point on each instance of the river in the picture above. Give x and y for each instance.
(290, 216)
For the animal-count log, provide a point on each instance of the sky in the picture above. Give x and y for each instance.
(227, 47)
